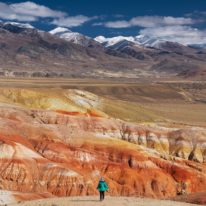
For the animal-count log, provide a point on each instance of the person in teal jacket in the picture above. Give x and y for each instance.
(102, 187)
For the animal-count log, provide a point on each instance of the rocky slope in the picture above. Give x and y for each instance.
(63, 150)
(168, 56)
(30, 52)
(194, 198)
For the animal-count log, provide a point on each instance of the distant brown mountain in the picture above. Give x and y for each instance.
(170, 57)
(26, 51)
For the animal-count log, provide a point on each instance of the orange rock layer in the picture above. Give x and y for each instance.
(45, 152)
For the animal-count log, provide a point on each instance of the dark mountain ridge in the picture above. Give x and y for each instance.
(26, 51)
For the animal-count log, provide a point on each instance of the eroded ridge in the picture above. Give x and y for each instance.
(45, 152)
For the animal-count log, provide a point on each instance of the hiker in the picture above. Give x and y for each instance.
(102, 187)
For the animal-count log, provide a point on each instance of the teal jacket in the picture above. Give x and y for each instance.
(102, 186)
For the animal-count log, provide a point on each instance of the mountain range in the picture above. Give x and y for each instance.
(27, 51)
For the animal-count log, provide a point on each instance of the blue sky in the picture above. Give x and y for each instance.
(179, 19)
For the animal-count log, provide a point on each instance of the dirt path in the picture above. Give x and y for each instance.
(94, 201)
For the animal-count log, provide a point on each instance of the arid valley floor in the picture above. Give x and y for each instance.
(58, 136)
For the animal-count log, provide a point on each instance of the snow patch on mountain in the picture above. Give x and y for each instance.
(70, 36)
(149, 41)
(59, 30)
(113, 40)
(20, 25)
(140, 40)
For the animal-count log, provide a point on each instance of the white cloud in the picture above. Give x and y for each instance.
(168, 28)
(6, 12)
(71, 21)
(175, 29)
(149, 21)
(97, 24)
(117, 24)
(169, 20)
(182, 34)
(29, 11)
(32, 9)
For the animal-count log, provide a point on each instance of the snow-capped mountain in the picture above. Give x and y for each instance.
(138, 40)
(141, 40)
(35, 50)
(59, 31)
(149, 41)
(20, 25)
(16, 27)
(74, 37)
(108, 42)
